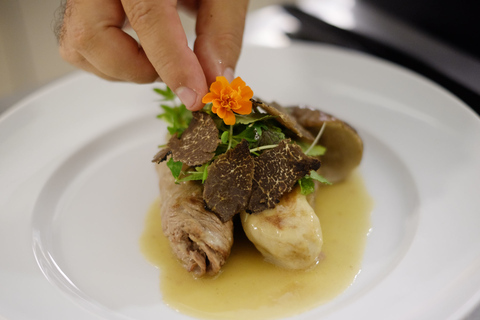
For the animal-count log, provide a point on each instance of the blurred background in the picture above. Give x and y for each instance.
(436, 38)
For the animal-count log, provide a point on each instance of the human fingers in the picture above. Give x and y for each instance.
(161, 34)
(91, 38)
(219, 28)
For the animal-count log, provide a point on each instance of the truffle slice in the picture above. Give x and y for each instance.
(284, 118)
(162, 155)
(276, 172)
(229, 182)
(197, 144)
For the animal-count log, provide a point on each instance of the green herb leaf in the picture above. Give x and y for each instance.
(192, 176)
(316, 151)
(248, 134)
(307, 185)
(205, 172)
(200, 173)
(271, 135)
(178, 118)
(251, 118)
(315, 176)
(224, 137)
(175, 167)
(167, 94)
(259, 126)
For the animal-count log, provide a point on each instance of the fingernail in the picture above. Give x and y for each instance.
(229, 74)
(187, 96)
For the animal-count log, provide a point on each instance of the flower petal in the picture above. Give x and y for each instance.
(221, 112)
(237, 83)
(229, 118)
(208, 97)
(247, 92)
(216, 87)
(216, 104)
(223, 81)
(244, 107)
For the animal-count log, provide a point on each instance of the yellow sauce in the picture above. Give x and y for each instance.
(250, 288)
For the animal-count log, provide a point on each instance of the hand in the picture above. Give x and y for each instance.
(91, 38)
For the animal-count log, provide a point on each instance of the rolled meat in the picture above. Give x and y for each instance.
(197, 236)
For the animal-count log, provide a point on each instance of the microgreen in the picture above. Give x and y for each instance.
(200, 173)
(307, 184)
(314, 151)
(175, 114)
(167, 94)
(175, 167)
(252, 117)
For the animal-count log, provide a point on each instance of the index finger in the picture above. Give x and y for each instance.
(163, 39)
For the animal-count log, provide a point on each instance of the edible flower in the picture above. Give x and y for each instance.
(229, 98)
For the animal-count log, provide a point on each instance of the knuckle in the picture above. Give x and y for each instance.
(77, 37)
(76, 40)
(71, 56)
(229, 42)
(138, 13)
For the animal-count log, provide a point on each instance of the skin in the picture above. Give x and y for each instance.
(91, 38)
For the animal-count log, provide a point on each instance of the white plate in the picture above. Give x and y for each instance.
(76, 182)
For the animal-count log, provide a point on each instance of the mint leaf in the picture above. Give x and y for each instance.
(175, 167)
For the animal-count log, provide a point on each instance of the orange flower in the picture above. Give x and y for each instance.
(229, 98)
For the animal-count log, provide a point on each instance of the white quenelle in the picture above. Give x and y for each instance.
(288, 235)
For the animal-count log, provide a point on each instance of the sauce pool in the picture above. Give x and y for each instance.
(249, 287)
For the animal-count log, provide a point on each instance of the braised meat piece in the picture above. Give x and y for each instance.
(196, 235)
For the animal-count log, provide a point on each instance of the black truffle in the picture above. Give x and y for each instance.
(229, 182)
(276, 172)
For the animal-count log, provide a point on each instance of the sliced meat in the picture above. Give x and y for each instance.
(197, 236)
